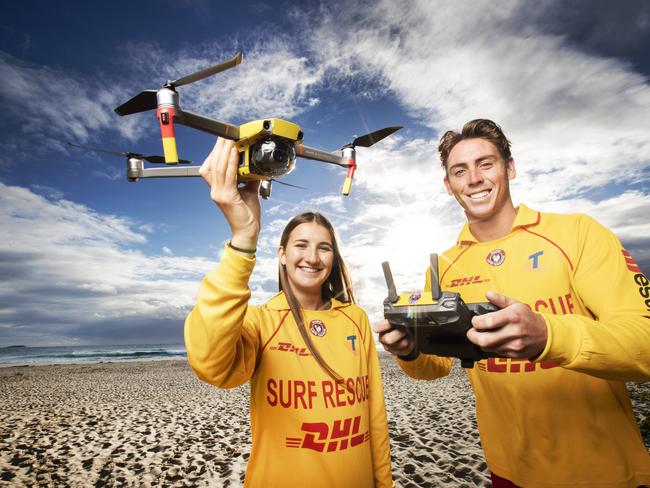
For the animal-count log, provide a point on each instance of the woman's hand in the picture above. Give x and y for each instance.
(240, 206)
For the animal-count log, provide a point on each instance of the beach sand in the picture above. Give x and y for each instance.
(154, 424)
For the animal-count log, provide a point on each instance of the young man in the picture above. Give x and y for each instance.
(574, 325)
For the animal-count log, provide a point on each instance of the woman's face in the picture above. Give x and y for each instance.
(308, 257)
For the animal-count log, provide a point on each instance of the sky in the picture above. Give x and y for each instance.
(89, 258)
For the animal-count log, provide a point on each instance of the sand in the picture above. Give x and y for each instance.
(154, 424)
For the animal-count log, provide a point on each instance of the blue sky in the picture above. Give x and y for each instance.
(86, 257)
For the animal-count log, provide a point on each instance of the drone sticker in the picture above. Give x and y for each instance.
(268, 148)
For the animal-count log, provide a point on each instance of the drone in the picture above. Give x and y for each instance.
(135, 161)
(267, 148)
(135, 165)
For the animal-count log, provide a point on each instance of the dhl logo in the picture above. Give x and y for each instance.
(472, 280)
(319, 437)
(507, 365)
(288, 347)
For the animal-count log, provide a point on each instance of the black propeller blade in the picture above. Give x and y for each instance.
(374, 137)
(142, 102)
(96, 149)
(287, 184)
(151, 159)
(158, 159)
(212, 70)
(146, 100)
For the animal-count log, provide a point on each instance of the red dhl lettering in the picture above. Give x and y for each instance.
(561, 305)
(288, 347)
(507, 365)
(466, 281)
(319, 437)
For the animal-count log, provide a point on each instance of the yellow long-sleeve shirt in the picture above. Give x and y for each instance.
(564, 420)
(307, 429)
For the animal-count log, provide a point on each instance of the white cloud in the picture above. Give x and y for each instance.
(272, 81)
(578, 123)
(64, 263)
(52, 105)
(571, 115)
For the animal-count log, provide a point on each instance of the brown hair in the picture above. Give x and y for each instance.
(474, 129)
(338, 284)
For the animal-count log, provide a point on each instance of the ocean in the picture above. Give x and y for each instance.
(20, 355)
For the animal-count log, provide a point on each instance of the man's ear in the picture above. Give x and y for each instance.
(446, 182)
(510, 168)
(282, 256)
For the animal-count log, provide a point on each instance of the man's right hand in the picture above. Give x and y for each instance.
(395, 339)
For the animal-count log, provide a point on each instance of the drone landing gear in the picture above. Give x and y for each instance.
(265, 189)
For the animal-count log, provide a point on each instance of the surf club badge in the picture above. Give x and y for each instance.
(317, 327)
(496, 257)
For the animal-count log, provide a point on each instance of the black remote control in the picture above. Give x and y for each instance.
(438, 321)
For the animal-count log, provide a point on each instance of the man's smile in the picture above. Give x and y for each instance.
(479, 195)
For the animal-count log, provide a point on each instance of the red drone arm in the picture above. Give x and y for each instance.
(166, 121)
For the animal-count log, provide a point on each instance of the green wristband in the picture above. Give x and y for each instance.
(247, 251)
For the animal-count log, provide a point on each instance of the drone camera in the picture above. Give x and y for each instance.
(274, 156)
(267, 148)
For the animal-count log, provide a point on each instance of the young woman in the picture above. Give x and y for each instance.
(318, 416)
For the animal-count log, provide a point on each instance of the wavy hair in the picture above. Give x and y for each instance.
(475, 129)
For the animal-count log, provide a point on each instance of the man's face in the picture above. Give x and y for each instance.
(478, 177)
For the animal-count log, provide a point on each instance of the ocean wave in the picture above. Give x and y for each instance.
(40, 355)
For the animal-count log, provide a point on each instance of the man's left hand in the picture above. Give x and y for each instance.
(515, 331)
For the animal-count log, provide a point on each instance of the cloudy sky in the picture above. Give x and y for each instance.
(88, 258)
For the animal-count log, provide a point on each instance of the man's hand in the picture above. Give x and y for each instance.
(515, 331)
(395, 340)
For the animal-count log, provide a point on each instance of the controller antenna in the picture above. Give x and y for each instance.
(436, 292)
(392, 291)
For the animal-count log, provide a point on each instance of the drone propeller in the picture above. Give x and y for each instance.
(347, 158)
(212, 70)
(142, 102)
(368, 140)
(349, 152)
(147, 100)
(151, 159)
